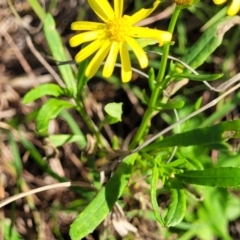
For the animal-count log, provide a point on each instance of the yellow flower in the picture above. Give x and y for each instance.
(112, 38)
(234, 6)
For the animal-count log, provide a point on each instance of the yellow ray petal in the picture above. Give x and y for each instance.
(86, 26)
(98, 59)
(234, 8)
(111, 60)
(142, 13)
(89, 50)
(219, 2)
(138, 51)
(85, 37)
(126, 70)
(102, 8)
(160, 36)
(118, 8)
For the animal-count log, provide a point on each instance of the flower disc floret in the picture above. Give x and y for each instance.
(118, 29)
(184, 2)
(113, 37)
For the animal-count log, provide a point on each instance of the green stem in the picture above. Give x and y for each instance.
(160, 85)
(92, 127)
(38, 9)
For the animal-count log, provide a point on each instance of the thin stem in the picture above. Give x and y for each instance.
(160, 85)
(92, 127)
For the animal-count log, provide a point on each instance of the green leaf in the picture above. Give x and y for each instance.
(209, 42)
(226, 108)
(177, 208)
(174, 104)
(114, 110)
(233, 207)
(214, 211)
(38, 9)
(214, 177)
(201, 77)
(74, 126)
(154, 184)
(17, 163)
(61, 139)
(48, 111)
(177, 163)
(50, 89)
(201, 136)
(56, 46)
(151, 79)
(9, 231)
(102, 204)
(81, 78)
(145, 99)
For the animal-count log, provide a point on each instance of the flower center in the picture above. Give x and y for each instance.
(117, 29)
(184, 2)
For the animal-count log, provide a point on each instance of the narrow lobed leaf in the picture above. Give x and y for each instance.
(48, 111)
(50, 89)
(200, 77)
(101, 205)
(153, 195)
(56, 46)
(213, 177)
(61, 139)
(177, 208)
(202, 136)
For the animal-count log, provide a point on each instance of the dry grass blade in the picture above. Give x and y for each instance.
(41, 189)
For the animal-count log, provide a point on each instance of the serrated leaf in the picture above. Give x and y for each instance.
(102, 204)
(48, 111)
(50, 89)
(214, 177)
(56, 46)
(200, 77)
(61, 139)
(114, 110)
